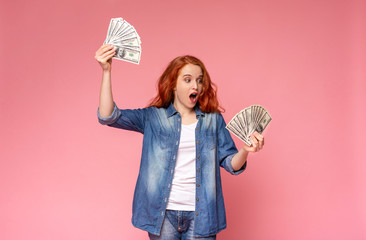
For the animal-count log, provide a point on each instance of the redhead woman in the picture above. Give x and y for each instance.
(178, 193)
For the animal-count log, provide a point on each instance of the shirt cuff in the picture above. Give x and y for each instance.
(230, 167)
(112, 118)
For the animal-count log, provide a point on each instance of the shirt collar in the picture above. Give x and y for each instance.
(171, 110)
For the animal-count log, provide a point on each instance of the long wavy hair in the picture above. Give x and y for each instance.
(207, 100)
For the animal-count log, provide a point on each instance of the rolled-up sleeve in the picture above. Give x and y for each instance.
(128, 119)
(226, 148)
(112, 118)
(228, 167)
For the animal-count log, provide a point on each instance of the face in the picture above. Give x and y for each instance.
(188, 88)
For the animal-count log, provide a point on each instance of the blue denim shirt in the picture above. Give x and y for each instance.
(161, 128)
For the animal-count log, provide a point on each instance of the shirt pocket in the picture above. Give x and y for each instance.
(209, 141)
(163, 139)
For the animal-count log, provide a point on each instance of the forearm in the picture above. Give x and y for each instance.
(106, 103)
(239, 159)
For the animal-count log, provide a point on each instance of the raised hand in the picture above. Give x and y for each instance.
(104, 56)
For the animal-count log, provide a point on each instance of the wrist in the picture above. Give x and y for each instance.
(107, 71)
(245, 151)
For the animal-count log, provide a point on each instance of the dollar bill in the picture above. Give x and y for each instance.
(123, 36)
(128, 55)
(249, 120)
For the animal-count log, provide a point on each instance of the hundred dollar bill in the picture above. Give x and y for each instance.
(263, 123)
(124, 38)
(234, 126)
(127, 54)
(237, 133)
(133, 42)
(247, 121)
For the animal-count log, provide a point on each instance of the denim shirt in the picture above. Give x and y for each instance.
(161, 128)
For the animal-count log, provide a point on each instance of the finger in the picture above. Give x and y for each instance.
(260, 144)
(254, 142)
(254, 139)
(103, 49)
(258, 135)
(260, 139)
(109, 52)
(106, 46)
(106, 56)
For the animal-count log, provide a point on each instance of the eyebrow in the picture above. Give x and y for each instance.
(191, 75)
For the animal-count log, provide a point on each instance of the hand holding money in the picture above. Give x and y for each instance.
(248, 125)
(104, 56)
(257, 143)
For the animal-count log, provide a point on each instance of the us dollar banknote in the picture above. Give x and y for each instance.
(247, 121)
(124, 38)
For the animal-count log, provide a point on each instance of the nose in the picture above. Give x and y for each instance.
(194, 84)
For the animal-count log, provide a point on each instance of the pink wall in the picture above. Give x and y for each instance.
(64, 176)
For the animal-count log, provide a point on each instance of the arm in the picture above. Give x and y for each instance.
(240, 158)
(104, 57)
(108, 112)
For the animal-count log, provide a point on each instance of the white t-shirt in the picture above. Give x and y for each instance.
(183, 191)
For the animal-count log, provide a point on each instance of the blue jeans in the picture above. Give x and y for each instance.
(178, 225)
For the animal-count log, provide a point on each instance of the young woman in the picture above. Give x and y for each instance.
(178, 193)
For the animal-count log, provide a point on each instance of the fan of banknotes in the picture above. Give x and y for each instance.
(247, 121)
(125, 39)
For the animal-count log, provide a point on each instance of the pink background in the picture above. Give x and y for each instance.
(65, 176)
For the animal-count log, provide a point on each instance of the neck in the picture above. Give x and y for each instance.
(184, 111)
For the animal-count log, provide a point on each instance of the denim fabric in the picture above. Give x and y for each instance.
(161, 128)
(178, 225)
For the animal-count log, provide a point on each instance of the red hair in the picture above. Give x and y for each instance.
(207, 100)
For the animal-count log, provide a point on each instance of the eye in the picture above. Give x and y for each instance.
(200, 80)
(187, 80)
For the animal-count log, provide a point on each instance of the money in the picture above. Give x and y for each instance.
(247, 121)
(124, 38)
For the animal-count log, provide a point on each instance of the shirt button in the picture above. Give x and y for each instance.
(196, 128)
(171, 171)
(197, 199)
(198, 142)
(198, 170)
(198, 157)
(176, 143)
(198, 185)
(196, 214)
(174, 157)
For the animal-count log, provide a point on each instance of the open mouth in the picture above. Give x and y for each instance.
(193, 97)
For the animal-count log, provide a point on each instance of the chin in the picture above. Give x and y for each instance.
(191, 105)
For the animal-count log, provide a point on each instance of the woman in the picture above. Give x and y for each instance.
(178, 193)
